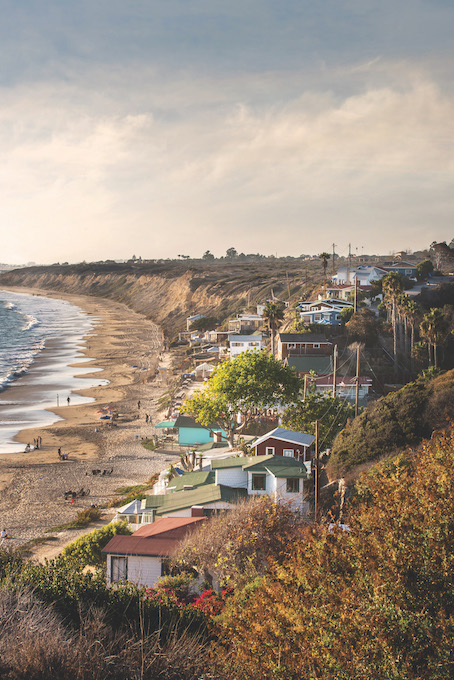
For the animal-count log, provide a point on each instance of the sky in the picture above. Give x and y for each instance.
(167, 127)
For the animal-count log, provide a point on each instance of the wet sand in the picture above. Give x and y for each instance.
(128, 349)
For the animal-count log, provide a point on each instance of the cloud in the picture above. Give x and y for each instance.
(278, 162)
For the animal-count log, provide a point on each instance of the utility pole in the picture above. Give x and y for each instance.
(358, 360)
(335, 371)
(288, 286)
(334, 271)
(355, 306)
(305, 387)
(316, 475)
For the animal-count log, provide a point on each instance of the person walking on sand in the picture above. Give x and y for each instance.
(68, 401)
(138, 404)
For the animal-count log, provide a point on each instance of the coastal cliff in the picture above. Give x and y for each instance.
(167, 292)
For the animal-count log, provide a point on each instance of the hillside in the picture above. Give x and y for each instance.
(167, 292)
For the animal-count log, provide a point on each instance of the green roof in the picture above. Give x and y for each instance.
(204, 495)
(232, 462)
(287, 472)
(153, 502)
(322, 364)
(165, 424)
(196, 478)
(278, 466)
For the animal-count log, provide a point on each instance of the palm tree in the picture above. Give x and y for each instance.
(325, 258)
(433, 327)
(273, 313)
(392, 288)
(412, 312)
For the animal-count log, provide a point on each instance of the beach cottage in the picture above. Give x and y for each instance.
(143, 557)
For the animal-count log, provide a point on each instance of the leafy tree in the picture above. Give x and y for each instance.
(207, 255)
(231, 253)
(424, 268)
(331, 412)
(397, 420)
(346, 314)
(237, 546)
(206, 323)
(376, 601)
(273, 313)
(252, 381)
(363, 327)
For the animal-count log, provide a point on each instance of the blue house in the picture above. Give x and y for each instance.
(191, 433)
(323, 312)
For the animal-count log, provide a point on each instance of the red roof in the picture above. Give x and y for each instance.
(168, 527)
(156, 539)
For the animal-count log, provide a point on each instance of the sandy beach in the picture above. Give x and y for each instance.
(129, 350)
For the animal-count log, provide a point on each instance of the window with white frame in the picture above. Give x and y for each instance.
(258, 482)
(291, 345)
(317, 317)
(316, 345)
(269, 451)
(293, 485)
(288, 453)
(118, 568)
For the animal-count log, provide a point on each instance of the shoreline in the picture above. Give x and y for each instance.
(128, 348)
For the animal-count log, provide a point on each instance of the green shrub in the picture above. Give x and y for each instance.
(86, 550)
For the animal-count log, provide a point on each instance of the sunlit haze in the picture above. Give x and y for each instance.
(162, 128)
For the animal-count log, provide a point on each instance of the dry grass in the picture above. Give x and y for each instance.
(35, 645)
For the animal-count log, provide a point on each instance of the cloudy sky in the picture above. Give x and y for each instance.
(166, 127)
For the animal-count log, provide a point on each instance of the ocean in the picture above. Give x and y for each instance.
(39, 338)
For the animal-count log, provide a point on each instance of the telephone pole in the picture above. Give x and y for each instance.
(335, 371)
(358, 360)
(316, 476)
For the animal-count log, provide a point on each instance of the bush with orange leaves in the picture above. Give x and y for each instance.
(376, 601)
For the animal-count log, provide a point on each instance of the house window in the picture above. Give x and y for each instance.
(288, 453)
(269, 451)
(316, 345)
(258, 482)
(293, 485)
(118, 569)
(291, 345)
(317, 317)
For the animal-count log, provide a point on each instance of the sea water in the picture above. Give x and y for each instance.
(39, 338)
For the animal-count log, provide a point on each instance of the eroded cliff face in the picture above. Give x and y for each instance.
(166, 292)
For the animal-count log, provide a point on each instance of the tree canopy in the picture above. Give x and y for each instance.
(397, 420)
(237, 546)
(251, 381)
(331, 412)
(376, 601)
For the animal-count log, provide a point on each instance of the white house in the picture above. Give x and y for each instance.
(226, 483)
(345, 386)
(143, 557)
(365, 275)
(243, 343)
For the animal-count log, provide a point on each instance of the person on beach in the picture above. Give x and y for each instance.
(40, 442)
(68, 401)
(28, 448)
(59, 453)
(4, 534)
(138, 404)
